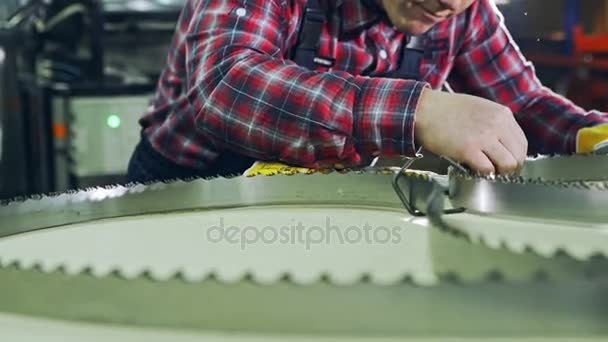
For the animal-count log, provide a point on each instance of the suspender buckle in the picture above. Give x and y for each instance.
(309, 35)
(314, 14)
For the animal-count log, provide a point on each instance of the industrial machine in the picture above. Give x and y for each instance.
(13, 166)
(95, 132)
(73, 93)
(23, 151)
(101, 121)
(305, 254)
(95, 124)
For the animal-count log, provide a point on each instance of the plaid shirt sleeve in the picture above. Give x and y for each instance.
(490, 65)
(249, 98)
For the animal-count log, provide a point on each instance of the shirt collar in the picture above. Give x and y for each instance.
(357, 13)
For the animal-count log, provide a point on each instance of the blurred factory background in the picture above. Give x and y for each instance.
(77, 74)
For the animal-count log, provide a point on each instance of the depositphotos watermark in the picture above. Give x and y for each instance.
(298, 233)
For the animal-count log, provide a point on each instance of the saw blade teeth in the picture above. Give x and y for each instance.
(584, 185)
(504, 178)
(36, 197)
(16, 200)
(519, 180)
(136, 189)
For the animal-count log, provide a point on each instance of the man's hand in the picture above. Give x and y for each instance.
(480, 133)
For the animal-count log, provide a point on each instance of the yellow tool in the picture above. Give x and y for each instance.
(274, 168)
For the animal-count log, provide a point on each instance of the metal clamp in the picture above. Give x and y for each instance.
(407, 202)
(439, 190)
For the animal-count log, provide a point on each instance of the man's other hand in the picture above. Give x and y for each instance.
(472, 130)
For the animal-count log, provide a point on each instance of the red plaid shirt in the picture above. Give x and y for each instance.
(229, 85)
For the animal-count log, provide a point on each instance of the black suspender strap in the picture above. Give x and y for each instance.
(411, 59)
(310, 34)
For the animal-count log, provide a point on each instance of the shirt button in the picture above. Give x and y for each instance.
(383, 54)
(241, 12)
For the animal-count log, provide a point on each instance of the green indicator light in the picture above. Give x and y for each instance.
(113, 121)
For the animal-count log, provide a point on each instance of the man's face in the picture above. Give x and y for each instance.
(418, 16)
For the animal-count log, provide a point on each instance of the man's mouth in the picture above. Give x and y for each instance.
(430, 15)
(438, 15)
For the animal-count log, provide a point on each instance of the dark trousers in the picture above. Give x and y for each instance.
(147, 165)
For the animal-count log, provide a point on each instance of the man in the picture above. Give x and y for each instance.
(232, 93)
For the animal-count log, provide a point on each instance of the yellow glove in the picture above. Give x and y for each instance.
(592, 140)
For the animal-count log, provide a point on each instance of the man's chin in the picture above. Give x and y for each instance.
(415, 28)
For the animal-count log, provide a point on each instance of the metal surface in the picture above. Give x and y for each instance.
(571, 188)
(142, 5)
(362, 188)
(137, 256)
(99, 203)
(581, 202)
(160, 271)
(573, 203)
(567, 168)
(558, 206)
(535, 308)
(19, 328)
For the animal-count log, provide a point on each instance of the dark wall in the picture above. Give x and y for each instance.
(544, 17)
